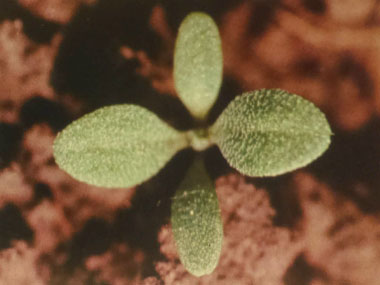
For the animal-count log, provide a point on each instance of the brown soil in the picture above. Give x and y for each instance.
(62, 59)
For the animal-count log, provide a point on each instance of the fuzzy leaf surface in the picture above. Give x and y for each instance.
(116, 146)
(270, 132)
(196, 222)
(198, 63)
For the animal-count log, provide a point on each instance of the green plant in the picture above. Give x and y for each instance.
(260, 133)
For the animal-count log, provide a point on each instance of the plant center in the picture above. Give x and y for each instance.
(199, 139)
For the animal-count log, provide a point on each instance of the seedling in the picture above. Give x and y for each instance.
(260, 133)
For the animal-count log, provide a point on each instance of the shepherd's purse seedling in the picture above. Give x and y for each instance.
(260, 133)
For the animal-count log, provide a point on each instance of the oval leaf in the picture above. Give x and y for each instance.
(196, 222)
(117, 146)
(198, 63)
(270, 132)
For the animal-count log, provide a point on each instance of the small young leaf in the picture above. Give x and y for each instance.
(196, 222)
(116, 146)
(198, 63)
(270, 132)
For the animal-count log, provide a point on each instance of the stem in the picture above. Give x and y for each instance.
(199, 139)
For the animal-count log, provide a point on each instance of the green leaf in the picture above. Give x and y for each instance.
(117, 146)
(270, 132)
(198, 63)
(196, 222)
